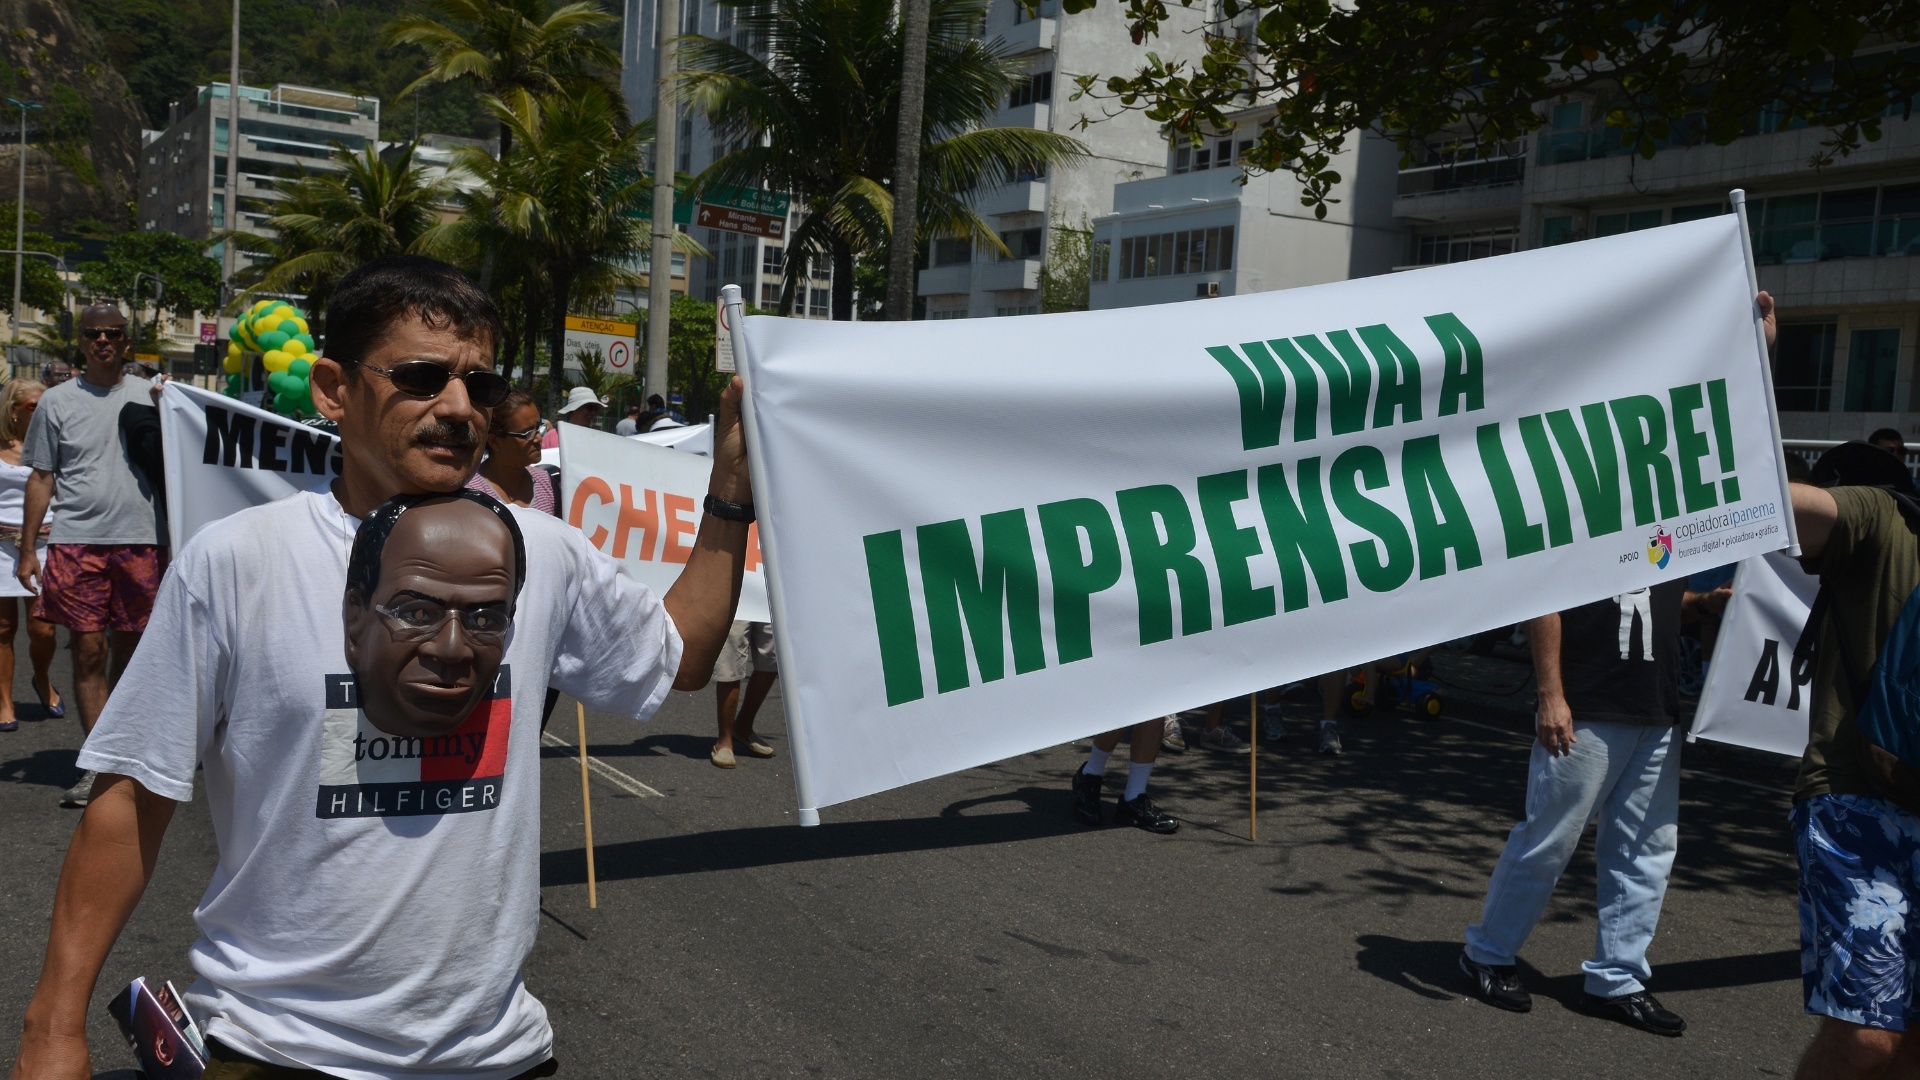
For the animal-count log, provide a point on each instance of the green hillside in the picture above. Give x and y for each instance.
(164, 48)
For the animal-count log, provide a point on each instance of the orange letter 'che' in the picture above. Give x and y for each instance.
(598, 488)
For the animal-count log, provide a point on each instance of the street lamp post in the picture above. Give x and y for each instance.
(66, 289)
(19, 224)
(159, 293)
(228, 261)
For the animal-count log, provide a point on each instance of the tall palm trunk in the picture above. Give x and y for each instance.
(529, 336)
(842, 280)
(557, 340)
(902, 267)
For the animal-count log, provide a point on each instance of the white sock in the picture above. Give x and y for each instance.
(1137, 773)
(1096, 762)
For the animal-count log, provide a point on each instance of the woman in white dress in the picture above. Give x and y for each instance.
(17, 403)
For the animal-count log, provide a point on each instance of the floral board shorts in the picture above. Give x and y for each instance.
(93, 587)
(1859, 890)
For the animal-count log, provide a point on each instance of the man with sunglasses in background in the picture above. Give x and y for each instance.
(105, 557)
(377, 894)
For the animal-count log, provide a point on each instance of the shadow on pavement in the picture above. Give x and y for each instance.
(1035, 814)
(1725, 971)
(48, 768)
(1431, 969)
(1404, 783)
(665, 745)
(1428, 968)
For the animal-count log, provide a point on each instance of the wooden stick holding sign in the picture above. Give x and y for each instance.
(586, 806)
(1253, 765)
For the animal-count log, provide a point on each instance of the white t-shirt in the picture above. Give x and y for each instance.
(374, 900)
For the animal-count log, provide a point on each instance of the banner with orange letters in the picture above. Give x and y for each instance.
(640, 504)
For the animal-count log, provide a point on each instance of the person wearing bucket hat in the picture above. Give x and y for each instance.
(582, 407)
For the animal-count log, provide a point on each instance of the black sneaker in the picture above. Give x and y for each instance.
(1497, 984)
(1086, 797)
(1140, 813)
(1638, 1009)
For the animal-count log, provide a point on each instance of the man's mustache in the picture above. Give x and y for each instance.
(452, 434)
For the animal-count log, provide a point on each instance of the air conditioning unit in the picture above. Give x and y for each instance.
(1205, 289)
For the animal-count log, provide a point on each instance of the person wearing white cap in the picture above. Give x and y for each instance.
(582, 407)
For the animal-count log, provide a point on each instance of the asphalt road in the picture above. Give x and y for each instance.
(966, 927)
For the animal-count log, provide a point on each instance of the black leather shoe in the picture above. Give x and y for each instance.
(1086, 797)
(1140, 813)
(1639, 1009)
(1497, 985)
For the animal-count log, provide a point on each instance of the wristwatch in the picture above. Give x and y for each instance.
(729, 511)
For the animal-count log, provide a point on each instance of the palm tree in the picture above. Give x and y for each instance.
(816, 116)
(565, 205)
(508, 46)
(329, 223)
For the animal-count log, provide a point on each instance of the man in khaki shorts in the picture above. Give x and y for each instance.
(746, 657)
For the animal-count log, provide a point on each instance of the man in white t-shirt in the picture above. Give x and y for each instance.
(376, 895)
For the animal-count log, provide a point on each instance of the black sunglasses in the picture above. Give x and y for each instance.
(425, 379)
(111, 333)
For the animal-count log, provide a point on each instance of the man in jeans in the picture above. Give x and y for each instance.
(1608, 702)
(105, 557)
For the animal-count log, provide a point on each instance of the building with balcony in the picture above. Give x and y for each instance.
(285, 132)
(1207, 228)
(1051, 50)
(963, 280)
(753, 263)
(1837, 245)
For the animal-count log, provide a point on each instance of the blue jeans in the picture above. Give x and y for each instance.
(1628, 776)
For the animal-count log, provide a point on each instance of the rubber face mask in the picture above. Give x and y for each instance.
(426, 646)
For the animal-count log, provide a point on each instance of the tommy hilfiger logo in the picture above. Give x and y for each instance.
(365, 772)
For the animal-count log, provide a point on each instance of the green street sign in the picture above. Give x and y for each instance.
(752, 200)
(682, 207)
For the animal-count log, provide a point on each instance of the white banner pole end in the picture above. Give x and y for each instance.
(1737, 202)
(735, 309)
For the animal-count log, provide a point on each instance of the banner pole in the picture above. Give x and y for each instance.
(586, 806)
(1253, 765)
(1738, 198)
(805, 812)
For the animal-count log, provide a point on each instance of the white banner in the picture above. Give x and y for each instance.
(223, 456)
(992, 536)
(687, 438)
(1756, 695)
(641, 504)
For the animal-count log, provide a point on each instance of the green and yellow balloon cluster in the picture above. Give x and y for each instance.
(278, 332)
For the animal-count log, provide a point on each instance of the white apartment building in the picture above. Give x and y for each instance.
(960, 282)
(964, 280)
(285, 131)
(1207, 228)
(1838, 247)
(753, 263)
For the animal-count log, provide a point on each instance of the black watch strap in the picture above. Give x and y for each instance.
(729, 511)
